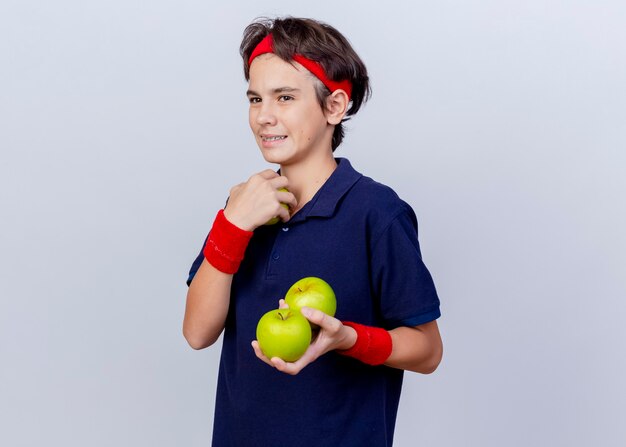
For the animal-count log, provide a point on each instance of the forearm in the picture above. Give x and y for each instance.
(208, 299)
(417, 349)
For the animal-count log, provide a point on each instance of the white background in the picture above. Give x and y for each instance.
(123, 124)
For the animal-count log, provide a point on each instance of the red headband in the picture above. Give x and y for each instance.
(266, 46)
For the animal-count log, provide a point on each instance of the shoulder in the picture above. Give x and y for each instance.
(378, 194)
(378, 197)
(378, 204)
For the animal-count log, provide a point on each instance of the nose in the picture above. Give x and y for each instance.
(266, 114)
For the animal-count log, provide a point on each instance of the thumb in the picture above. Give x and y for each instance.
(316, 316)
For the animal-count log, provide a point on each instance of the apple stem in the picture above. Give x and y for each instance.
(299, 289)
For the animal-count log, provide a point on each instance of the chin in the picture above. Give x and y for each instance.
(276, 156)
(271, 158)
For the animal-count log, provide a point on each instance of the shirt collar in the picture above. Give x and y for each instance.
(325, 200)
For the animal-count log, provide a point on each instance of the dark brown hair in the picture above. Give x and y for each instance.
(319, 42)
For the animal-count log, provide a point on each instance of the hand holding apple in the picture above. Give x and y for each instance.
(253, 203)
(281, 340)
(274, 220)
(332, 335)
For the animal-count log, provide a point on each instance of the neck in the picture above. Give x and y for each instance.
(308, 176)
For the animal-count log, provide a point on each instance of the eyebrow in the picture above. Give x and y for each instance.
(276, 90)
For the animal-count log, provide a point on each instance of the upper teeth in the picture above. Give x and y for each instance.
(274, 138)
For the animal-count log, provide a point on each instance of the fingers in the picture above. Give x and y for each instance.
(324, 321)
(283, 214)
(282, 304)
(280, 181)
(287, 368)
(295, 367)
(278, 363)
(276, 182)
(287, 198)
(267, 174)
(259, 353)
(258, 200)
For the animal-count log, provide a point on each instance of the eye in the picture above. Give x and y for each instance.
(285, 98)
(254, 100)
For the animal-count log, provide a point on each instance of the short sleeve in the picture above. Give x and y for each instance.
(196, 264)
(400, 279)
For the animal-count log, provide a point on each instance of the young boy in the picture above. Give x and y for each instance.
(356, 234)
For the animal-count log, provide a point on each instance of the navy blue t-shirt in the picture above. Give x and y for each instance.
(361, 238)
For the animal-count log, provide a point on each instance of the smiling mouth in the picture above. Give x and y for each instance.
(275, 138)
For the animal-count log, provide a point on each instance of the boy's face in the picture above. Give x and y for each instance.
(285, 116)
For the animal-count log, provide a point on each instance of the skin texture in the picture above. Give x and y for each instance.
(283, 103)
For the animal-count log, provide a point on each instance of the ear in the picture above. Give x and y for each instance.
(336, 106)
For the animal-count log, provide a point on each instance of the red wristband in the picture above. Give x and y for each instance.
(226, 244)
(373, 345)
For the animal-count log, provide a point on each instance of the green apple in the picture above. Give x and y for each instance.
(283, 333)
(276, 219)
(312, 292)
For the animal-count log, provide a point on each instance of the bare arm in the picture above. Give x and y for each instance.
(207, 305)
(418, 349)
